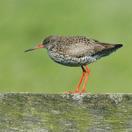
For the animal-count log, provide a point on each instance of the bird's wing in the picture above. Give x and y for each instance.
(80, 49)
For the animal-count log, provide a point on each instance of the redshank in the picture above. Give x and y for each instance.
(76, 51)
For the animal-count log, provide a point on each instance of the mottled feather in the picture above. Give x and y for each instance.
(77, 46)
(77, 50)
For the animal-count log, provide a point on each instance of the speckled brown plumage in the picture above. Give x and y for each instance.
(80, 50)
(76, 51)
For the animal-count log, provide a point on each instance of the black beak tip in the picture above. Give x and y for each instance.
(28, 50)
(25, 51)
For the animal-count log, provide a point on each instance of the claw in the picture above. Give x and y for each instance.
(71, 92)
(75, 92)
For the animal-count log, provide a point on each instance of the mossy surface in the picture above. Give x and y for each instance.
(68, 113)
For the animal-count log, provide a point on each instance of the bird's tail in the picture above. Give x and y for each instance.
(117, 46)
(108, 49)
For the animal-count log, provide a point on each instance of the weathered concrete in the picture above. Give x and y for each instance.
(65, 113)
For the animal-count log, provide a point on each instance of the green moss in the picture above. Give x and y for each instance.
(41, 112)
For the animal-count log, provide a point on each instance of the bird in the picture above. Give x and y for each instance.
(76, 51)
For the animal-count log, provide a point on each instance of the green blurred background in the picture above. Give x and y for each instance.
(24, 23)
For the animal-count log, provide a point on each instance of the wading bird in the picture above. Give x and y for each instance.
(76, 51)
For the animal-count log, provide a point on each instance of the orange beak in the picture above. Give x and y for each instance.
(37, 47)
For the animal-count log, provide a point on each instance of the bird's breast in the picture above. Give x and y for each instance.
(70, 60)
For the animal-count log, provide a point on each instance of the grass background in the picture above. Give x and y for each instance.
(24, 23)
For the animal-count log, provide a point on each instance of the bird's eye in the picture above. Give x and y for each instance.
(46, 41)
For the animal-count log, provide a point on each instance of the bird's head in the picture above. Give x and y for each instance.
(46, 43)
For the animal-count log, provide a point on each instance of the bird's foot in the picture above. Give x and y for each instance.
(71, 92)
(83, 91)
(74, 92)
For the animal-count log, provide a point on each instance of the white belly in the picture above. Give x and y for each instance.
(71, 61)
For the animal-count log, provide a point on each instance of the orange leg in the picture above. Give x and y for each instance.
(87, 69)
(79, 84)
(80, 81)
(85, 83)
(86, 80)
(84, 77)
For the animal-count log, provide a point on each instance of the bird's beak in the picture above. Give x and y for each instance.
(37, 47)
